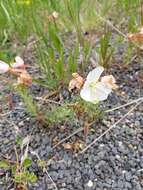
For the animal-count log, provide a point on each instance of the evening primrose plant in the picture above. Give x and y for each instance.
(58, 28)
(93, 89)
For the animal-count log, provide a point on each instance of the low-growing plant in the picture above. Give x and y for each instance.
(86, 110)
(19, 168)
(94, 89)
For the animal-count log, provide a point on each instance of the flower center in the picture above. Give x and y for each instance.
(92, 85)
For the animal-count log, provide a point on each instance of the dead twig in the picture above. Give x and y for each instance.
(108, 22)
(125, 105)
(65, 139)
(48, 100)
(45, 170)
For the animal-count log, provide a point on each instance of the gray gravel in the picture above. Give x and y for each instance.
(114, 163)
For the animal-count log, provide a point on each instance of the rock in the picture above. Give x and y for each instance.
(128, 176)
(90, 183)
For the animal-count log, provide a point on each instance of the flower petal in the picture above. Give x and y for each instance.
(76, 82)
(94, 95)
(4, 67)
(110, 81)
(19, 62)
(95, 74)
(101, 92)
(85, 92)
(24, 79)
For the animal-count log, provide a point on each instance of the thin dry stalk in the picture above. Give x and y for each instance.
(45, 170)
(110, 128)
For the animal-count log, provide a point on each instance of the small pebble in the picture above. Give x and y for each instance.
(90, 183)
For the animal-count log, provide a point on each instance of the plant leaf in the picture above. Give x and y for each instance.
(31, 177)
(4, 165)
(27, 163)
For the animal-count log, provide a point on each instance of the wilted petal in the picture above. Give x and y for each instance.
(109, 81)
(136, 37)
(76, 82)
(141, 30)
(95, 74)
(4, 67)
(19, 62)
(24, 79)
(72, 85)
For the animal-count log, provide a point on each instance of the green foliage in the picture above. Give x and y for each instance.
(30, 104)
(21, 19)
(105, 50)
(4, 165)
(22, 176)
(27, 163)
(60, 114)
(25, 177)
(87, 111)
(20, 168)
(128, 55)
(42, 163)
(73, 9)
(17, 18)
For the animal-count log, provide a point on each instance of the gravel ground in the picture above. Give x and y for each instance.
(113, 163)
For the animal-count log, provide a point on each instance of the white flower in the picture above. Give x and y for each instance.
(94, 90)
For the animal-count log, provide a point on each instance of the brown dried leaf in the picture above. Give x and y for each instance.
(110, 81)
(136, 36)
(76, 82)
(78, 145)
(24, 79)
(68, 146)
